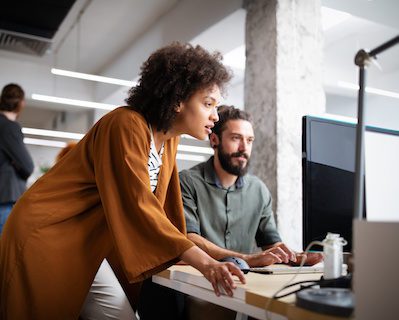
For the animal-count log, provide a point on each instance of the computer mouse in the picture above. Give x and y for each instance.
(240, 263)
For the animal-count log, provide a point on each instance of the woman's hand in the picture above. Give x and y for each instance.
(220, 275)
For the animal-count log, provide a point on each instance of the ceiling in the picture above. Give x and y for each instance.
(113, 38)
(16, 16)
(22, 31)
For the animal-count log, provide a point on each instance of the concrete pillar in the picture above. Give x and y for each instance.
(283, 81)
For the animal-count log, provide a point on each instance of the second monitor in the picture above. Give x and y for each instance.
(328, 167)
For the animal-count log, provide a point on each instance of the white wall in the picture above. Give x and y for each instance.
(380, 111)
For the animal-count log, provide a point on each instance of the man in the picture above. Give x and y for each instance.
(229, 211)
(226, 209)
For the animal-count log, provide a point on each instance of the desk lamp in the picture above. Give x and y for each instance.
(339, 301)
(362, 60)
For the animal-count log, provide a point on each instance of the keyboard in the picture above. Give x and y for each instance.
(286, 269)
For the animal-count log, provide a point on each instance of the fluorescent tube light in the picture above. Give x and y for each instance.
(352, 86)
(53, 133)
(73, 102)
(46, 143)
(195, 149)
(190, 157)
(78, 136)
(92, 77)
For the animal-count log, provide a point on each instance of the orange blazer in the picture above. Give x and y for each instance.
(97, 199)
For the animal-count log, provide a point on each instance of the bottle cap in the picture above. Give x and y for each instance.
(335, 237)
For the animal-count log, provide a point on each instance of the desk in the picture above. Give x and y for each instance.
(250, 299)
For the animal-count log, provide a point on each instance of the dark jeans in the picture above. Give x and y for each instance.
(158, 302)
(5, 209)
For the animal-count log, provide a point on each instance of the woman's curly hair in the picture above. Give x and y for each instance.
(171, 75)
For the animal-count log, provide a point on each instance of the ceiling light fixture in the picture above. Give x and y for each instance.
(190, 157)
(52, 133)
(73, 102)
(62, 144)
(195, 149)
(78, 136)
(46, 143)
(380, 92)
(92, 77)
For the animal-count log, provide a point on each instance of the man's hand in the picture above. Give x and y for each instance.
(279, 253)
(311, 258)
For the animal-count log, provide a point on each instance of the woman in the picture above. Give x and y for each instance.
(98, 200)
(15, 162)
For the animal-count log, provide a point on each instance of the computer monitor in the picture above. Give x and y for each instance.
(328, 166)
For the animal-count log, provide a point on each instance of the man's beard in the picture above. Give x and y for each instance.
(226, 162)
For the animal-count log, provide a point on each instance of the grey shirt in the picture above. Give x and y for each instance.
(16, 164)
(232, 218)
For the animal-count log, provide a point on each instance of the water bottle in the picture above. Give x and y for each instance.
(333, 256)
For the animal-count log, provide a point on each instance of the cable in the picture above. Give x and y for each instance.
(336, 282)
(295, 291)
(287, 284)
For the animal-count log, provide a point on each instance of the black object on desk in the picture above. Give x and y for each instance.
(332, 301)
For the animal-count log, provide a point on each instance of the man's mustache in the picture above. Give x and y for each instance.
(239, 154)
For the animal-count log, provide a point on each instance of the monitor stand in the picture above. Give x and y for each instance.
(332, 301)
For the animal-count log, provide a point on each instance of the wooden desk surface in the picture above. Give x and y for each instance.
(255, 294)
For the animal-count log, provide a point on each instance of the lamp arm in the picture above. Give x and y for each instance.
(363, 59)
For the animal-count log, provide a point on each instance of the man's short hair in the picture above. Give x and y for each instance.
(227, 113)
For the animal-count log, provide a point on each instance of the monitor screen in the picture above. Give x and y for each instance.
(328, 166)
(328, 172)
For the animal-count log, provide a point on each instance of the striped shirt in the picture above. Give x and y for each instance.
(154, 163)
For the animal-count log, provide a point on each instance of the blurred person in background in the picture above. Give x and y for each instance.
(16, 164)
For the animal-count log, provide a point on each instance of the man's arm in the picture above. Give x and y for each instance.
(292, 256)
(260, 259)
(268, 257)
(267, 236)
(311, 258)
(212, 249)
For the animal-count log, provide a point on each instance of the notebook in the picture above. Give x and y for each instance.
(287, 269)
